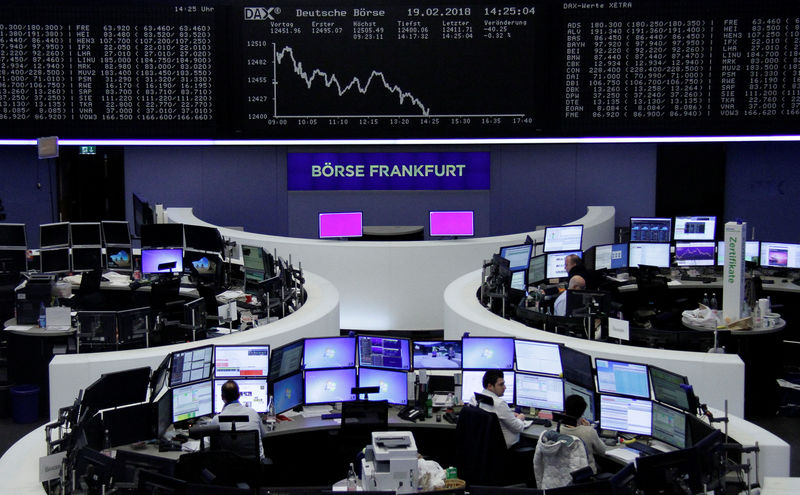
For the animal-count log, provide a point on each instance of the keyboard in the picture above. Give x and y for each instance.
(643, 448)
(705, 280)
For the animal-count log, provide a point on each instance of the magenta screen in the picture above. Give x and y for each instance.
(451, 223)
(340, 224)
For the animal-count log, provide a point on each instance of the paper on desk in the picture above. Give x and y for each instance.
(18, 328)
(191, 446)
(313, 411)
(787, 384)
(623, 453)
(230, 295)
(674, 283)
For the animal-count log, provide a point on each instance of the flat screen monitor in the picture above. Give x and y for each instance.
(581, 302)
(437, 354)
(164, 412)
(648, 229)
(348, 224)
(117, 389)
(695, 228)
(472, 381)
(162, 260)
(13, 260)
(670, 388)
(540, 392)
(565, 238)
(253, 393)
(780, 255)
(695, 253)
(392, 385)
(191, 365)
(195, 314)
(577, 367)
(86, 259)
(611, 256)
(200, 263)
(519, 257)
(241, 361)
(622, 378)
(202, 238)
(115, 233)
(751, 251)
(537, 269)
(329, 352)
(669, 425)
(626, 414)
(133, 324)
(286, 360)
(142, 214)
(162, 235)
(327, 386)
(486, 353)
(54, 260)
(538, 357)
(653, 254)
(287, 393)
(254, 258)
(13, 235)
(85, 234)
(54, 235)
(118, 258)
(192, 401)
(99, 327)
(589, 414)
(519, 280)
(555, 263)
(384, 352)
(452, 223)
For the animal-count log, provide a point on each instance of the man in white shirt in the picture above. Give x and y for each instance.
(232, 407)
(511, 423)
(560, 306)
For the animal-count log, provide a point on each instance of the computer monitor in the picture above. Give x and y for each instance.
(13, 235)
(555, 263)
(253, 393)
(670, 388)
(437, 354)
(653, 254)
(133, 324)
(669, 425)
(348, 224)
(610, 256)
(192, 401)
(392, 385)
(333, 385)
(486, 353)
(285, 360)
(519, 280)
(162, 235)
(580, 302)
(694, 253)
(577, 367)
(85, 234)
(519, 256)
(13, 260)
(329, 352)
(538, 357)
(117, 389)
(241, 361)
(540, 392)
(202, 238)
(565, 238)
(115, 233)
(589, 414)
(779, 255)
(54, 235)
(191, 365)
(537, 269)
(142, 214)
(199, 263)
(669, 472)
(451, 223)
(384, 352)
(622, 378)
(626, 414)
(695, 228)
(195, 314)
(287, 392)
(162, 260)
(85, 259)
(164, 412)
(649, 229)
(118, 258)
(254, 258)
(472, 381)
(751, 251)
(159, 378)
(55, 260)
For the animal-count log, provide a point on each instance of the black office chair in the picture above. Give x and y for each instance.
(481, 454)
(90, 297)
(359, 419)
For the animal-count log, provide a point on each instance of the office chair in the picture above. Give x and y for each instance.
(359, 420)
(90, 297)
(481, 454)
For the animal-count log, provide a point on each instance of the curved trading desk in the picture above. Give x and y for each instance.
(318, 317)
(397, 285)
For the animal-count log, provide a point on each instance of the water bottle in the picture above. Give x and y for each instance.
(352, 479)
(42, 316)
(713, 300)
(705, 300)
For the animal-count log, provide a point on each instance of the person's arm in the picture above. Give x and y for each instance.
(507, 416)
(598, 446)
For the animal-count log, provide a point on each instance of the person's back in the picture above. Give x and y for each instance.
(557, 456)
(574, 406)
(230, 395)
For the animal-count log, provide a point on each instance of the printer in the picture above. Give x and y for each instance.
(390, 463)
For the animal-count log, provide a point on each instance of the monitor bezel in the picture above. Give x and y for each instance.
(177, 269)
(87, 225)
(106, 255)
(415, 367)
(288, 376)
(646, 374)
(372, 336)
(172, 364)
(669, 254)
(218, 397)
(63, 249)
(115, 222)
(516, 267)
(241, 377)
(599, 413)
(761, 257)
(177, 388)
(547, 262)
(328, 370)
(669, 230)
(100, 258)
(592, 372)
(675, 410)
(334, 213)
(438, 233)
(713, 260)
(549, 229)
(18, 226)
(517, 374)
(311, 339)
(48, 246)
(404, 401)
(543, 373)
(683, 378)
(469, 368)
(689, 217)
(282, 348)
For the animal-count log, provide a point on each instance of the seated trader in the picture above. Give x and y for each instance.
(574, 266)
(232, 407)
(511, 423)
(560, 306)
(574, 406)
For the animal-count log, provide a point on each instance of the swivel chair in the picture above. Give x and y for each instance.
(481, 452)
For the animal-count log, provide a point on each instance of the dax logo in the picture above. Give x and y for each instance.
(260, 13)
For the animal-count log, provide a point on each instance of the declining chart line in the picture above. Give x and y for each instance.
(331, 80)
